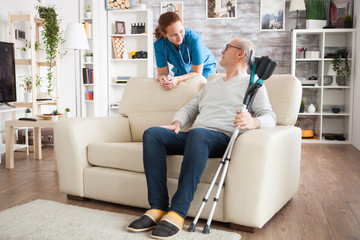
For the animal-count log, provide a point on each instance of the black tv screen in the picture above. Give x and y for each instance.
(7, 73)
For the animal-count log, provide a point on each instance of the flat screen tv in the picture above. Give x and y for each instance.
(7, 73)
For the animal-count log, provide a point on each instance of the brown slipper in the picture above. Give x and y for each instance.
(146, 222)
(168, 227)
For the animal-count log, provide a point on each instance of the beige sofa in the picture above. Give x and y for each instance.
(101, 158)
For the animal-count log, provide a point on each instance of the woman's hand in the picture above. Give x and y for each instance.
(162, 80)
(169, 83)
(244, 120)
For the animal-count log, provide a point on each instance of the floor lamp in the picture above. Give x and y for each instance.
(75, 38)
(297, 5)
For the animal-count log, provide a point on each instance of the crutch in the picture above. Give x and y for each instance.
(263, 67)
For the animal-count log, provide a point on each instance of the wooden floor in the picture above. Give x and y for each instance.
(326, 206)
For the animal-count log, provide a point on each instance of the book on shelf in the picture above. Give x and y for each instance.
(122, 79)
(88, 75)
(88, 29)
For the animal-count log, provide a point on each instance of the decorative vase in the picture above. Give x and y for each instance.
(88, 15)
(67, 114)
(88, 59)
(28, 96)
(28, 115)
(55, 118)
(311, 108)
(315, 24)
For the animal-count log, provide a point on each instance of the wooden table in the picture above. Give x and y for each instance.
(9, 136)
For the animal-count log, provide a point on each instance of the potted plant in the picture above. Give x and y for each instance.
(348, 21)
(316, 13)
(302, 106)
(67, 113)
(55, 116)
(88, 11)
(52, 38)
(89, 57)
(341, 64)
(27, 85)
(27, 45)
(28, 113)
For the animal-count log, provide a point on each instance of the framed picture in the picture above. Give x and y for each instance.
(337, 9)
(272, 15)
(118, 4)
(176, 7)
(223, 9)
(120, 27)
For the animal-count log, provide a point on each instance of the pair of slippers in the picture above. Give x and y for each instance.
(164, 228)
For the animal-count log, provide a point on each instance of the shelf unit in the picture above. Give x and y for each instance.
(88, 107)
(324, 122)
(34, 62)
(141, 67)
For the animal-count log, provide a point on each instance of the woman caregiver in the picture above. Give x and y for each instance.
(182, 48)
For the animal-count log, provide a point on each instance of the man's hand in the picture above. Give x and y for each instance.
(244, 120)
(175, 127)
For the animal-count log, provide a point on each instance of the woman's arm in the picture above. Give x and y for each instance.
(172, 82)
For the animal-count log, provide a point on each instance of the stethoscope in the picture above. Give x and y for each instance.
(182, 59)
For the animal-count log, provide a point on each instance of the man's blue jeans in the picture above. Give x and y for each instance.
(196, 145)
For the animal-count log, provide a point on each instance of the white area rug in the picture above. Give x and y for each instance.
(42, 219)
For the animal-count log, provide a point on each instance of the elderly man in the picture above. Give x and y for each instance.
(216, 108)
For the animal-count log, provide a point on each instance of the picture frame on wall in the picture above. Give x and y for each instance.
(120, 27)
(118, 4)
(337, 9)
(272, 15)
(221, 9)
(176, 7)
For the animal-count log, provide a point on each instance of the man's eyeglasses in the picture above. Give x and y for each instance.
(229, 45)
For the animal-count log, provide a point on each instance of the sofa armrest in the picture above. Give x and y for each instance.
(263, 174)
(72, 136)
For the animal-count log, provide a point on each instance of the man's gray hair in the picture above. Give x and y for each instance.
(247, 46)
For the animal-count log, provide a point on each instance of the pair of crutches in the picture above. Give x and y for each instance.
(263, 67)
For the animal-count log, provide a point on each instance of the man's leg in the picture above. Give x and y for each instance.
(200, 145)
(157, 143)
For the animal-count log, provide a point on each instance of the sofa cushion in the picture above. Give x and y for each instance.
(129, 157)
(146, 95)
(139, 122)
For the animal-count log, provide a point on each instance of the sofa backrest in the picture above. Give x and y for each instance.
(285, 93)
(146, 104)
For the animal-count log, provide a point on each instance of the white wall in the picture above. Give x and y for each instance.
(248, 11)
(68, 10)
(356, 119)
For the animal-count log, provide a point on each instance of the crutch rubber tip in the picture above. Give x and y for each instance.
(206, 229)
(192, 228)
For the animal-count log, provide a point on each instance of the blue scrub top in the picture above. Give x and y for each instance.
(199, 54)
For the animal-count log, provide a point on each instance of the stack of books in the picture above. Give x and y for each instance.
(88, 76)
(122, 79)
